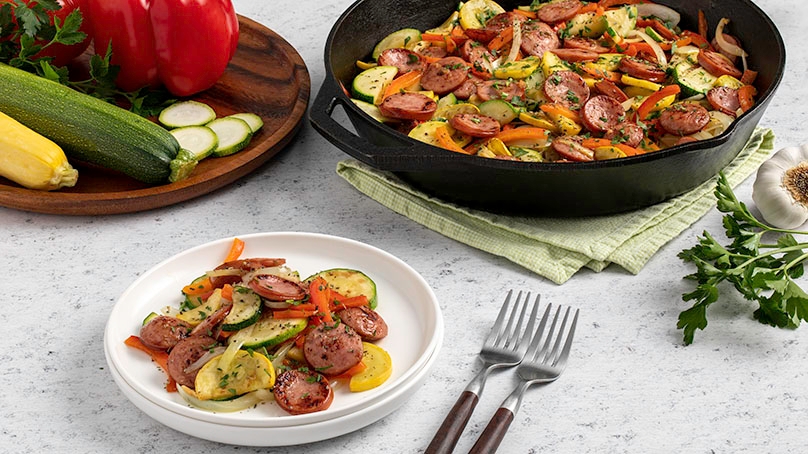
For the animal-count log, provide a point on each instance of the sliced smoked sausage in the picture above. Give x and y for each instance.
(164, 332)
(642, 69)
(566, 88)
(581, 43)
(445, 75)
(602, 113)
(501, 89)
(403, 59)
(474, 125)
(717, 64)
(365, 321)
(724, 99)
(185, 353)
(494, 26)
(684, 119)
(467, 88)
(300, 392)
(276, 288)
(570, 148)
(408, 106)
(332, 349)
(479, 57)
(559, 10)
(630, 134)
(243, 267)
(538, 38)
(609, 88)
(575, 55)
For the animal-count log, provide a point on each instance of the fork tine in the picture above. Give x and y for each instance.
(536, 343)
(512, 333)
(524, 339)
(548, 339)
(496, 328)
(565, 352)
(551, 358)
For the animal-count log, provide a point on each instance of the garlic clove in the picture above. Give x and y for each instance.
(780, 190)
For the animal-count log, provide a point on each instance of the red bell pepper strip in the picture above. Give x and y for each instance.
(183, 44)
(159, 357)
(319, 294)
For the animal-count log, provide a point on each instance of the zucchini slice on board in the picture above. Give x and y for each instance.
(349, 283)
(199, 140)
(186, 113)
(234, 134)
(252, 119)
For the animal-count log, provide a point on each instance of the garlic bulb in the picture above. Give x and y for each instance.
(781, 188)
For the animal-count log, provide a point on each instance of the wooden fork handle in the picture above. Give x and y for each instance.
(494, 432)
(449, 432)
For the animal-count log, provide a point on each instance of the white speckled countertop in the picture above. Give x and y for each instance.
(630, 386)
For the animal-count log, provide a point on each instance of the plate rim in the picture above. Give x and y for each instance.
(431, 349)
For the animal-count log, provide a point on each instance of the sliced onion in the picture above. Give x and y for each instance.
(226, 360)
(517, 40)
(658, 52)
(209, 355)
(628, 103)
(224, 272)
(280, 355)
(725, 45)
(668, 15)
(280, 271)
(244, 402)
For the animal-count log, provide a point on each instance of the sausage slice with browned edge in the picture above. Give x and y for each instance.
(575, 55)
(501, 89)
(566, 88)
(185, 353)
(570, 148)
(538, 38)
(164, 332)
(559, 10)
(479, 57)
(684, 119)
(602, 113)
(717, 64)
(581, 43)
(724, 99)
(276, 288)
(365, 321)
(332, 348)
(403, 59)
(445, 75)
(630, 134)
(475, 125)
(300, 392)
(242, 267)
(609, 88)
(642, 69)
(408, 106)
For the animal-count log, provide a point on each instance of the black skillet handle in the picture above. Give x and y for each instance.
(393, 158)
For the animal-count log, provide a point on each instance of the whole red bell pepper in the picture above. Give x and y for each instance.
(182, 44)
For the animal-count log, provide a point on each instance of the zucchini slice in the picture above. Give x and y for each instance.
(694, 80)
(401, 38)
(370, 84)
(234, 134)
(499, 110)
(192, 301)
(252, 119)
(199, 140)
(372, 110)
(186, 113)
(246, 309)
(267, 332)
(349, 283)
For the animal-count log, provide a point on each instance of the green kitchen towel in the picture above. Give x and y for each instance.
(556, 248)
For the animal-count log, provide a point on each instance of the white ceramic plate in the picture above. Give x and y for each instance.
(405, 301)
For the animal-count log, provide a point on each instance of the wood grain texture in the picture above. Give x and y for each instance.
(449, 432)
(266, 77)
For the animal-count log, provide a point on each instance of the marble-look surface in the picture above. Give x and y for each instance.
(631, 386)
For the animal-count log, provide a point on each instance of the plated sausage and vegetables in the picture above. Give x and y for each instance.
(252, 331)
(558, 81)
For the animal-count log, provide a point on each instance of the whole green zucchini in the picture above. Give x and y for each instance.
(88, 129)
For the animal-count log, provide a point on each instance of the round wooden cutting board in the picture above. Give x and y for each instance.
(266, 77)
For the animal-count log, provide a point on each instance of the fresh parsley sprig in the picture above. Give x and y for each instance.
(761, 272)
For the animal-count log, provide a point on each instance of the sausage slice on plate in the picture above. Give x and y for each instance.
(302, 392)
(365, 321)
(332, 348)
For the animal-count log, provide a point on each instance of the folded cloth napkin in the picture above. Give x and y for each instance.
(557, 248)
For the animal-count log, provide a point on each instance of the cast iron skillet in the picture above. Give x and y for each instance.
(554, 189)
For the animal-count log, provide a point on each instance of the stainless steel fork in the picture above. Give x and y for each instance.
(540, 366)
(505, 346)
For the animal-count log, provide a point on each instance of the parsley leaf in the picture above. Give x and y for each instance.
(759, 271)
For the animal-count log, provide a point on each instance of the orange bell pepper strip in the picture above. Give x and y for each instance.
(612, 76)
(702, 23)
(649, 103)
(502, 39)
(198, 288)
(445, 140)
(235, 250)
(561, 110)
(592, 143)
(748, 77)
(341, 302)
(158, 356)
(432, 37)
(521, 133)
(292, 313)
(359, 367)
(401, 82)
(746, 97)
(319, 295)
(531, 14)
